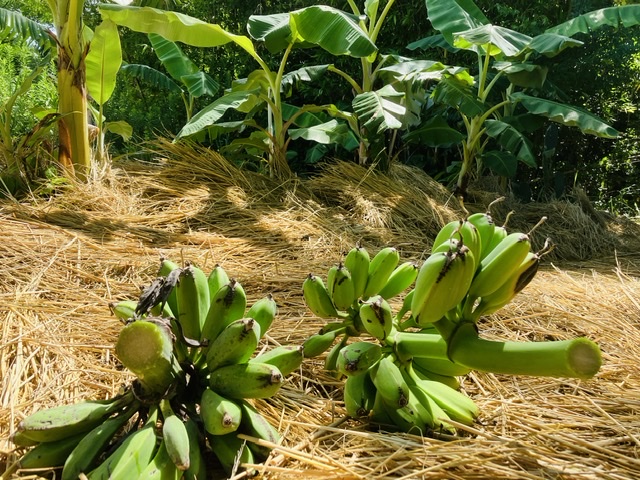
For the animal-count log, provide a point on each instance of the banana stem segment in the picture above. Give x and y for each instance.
(423, 345)
(575, 358)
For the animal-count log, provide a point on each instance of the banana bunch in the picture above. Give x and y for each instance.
(192, 342)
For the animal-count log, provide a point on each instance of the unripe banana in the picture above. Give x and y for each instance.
(132, 456)
(456, 405)
(499, 265)
(232, 452)
(510, 288)
(411, 418)
(319, 343)
(376, 316)
(20, 440)
(287, 358)
(380, 269)
(464, 232)
(405, 307)
(166, 267)
(161, 466)
(499, 234)
(197, 465)
(220, 415)
(216, 279)
(57, 423)
(192, 294)
(358, 357)
(125, 310)
(401, 279)
(486, 227)
(442, 284)
(84, 455)
(317, 297)
(357, 262)
(359, 395)
(255, 425)
(331, 360)
(448, 380)
(227, 305)
(390, 383)
(175, 437)
(341, 288)
(49, 454)
(235, 344)
(440, 366)
(429, 411)
(246, 380)
(264, 312)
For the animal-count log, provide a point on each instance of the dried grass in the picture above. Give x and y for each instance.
(65, 258)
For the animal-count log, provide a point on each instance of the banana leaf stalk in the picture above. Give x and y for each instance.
(574, 358)
(145, 347)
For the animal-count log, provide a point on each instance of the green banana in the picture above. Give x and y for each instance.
(264, 312)
(318, 343)
(216, 279)
(399, 280)
(50, 454)
(448, 380)
(175, 436)
(57, 423)
(455, 404)
(412, 417)
(486, 227)
(192, 293)
(440, 366)
(84, 455)
(359, 394)
(341, 288)
(380, 268)
(442, 284)
(220, 415)
(376, 316)
(499, 234)
(235, 344)
(358, 357)
(255, 425)
(331, 360)
(357, 262)
(161, 466)
(390, 383)
(227, 305)
(246, 380)
(132, 456)
(317, 297)
(287, 358)
(513, 284)
(125, 310)
(499, 265)
(404, 308)
(197, 465)
(465, 232)
(20, 440)
(429, 411)
(231, 452)
(166, 267)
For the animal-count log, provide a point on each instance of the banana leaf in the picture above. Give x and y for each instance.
(175, 27)
(334, 30)
(622, 16)
(455, 93)
(103, 62)
(526, 75)
(172, 57)
(152, 76)
(214, 111)
(501, 40)
(500, 163)
(15, 26)
(453, 16)
(432, 42)
(380, 110)
(331, 132)
(512, 140)
(199, 84)
(566, 115)
(304, 74)
(551, 44)
(435, 132)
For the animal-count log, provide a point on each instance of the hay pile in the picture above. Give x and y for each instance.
(64, 259)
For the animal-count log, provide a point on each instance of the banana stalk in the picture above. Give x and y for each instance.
(575, 358)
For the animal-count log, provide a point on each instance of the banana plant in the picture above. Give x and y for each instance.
(184, 76)
(317, 26)
(507, 60)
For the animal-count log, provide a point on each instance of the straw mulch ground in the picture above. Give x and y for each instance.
(65, 258)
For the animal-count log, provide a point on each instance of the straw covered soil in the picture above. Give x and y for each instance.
(64, 258)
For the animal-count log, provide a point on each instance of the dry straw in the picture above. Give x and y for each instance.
(64, 258)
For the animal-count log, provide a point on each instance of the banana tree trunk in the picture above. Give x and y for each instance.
(74, 150)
